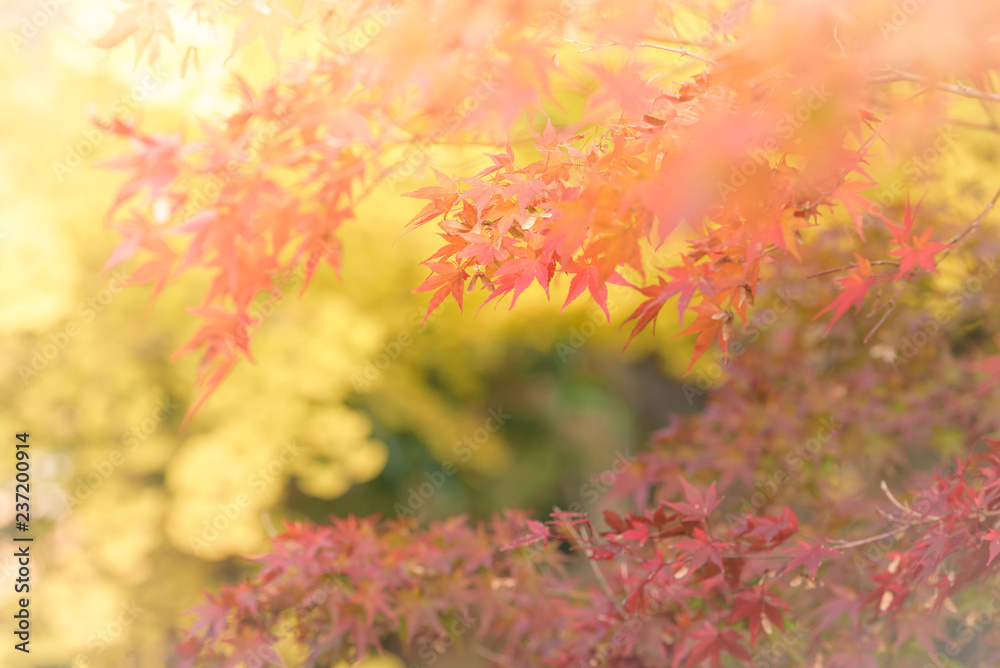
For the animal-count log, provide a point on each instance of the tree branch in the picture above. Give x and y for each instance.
(852, 266)
(678, 50)
(955, 89)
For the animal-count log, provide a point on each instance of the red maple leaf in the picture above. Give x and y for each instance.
(518, 273)
(538, 532)
(914, 251)
(855, 286)
(484, 249)
(759, 608)
(588, 277)
(647, 311)
(714, 641)
(918, 253)
(993, 536)
(697, 506)
(849, 194)
(701, 549)
(712, 324)
(447, 279)
(901, 233)
(810, 556)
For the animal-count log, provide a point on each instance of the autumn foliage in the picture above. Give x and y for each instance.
(707, 157)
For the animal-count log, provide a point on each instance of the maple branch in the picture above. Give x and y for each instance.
(989, 111)
(837, 39)
(843, 545)
(852, 266)
(955, 89)
(678, 50)
(889, 307)
(985, 127)
(847, 170)
(902, 506)
(597, 571)
(885, 488)
(971, 227)
(748, 555)
(929, 519)
(954, 241)
(676, 39)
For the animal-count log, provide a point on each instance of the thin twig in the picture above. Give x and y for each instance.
(955, 89)
(597, 570)
(957, 239)
(847, 170)
(930, 519)
(843, 545)
(676, 39)
(989, 111)
(681, 51)
(985, 127)
(490, 655)
(852, 266)
(889, 307)
(885, 488)
(672, 49)
(904, 507)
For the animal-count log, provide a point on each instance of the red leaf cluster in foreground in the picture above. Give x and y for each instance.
(348, 588)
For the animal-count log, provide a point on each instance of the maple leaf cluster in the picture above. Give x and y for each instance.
(698, 571)
(393, 584)
(737, 153)
(718, 159)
